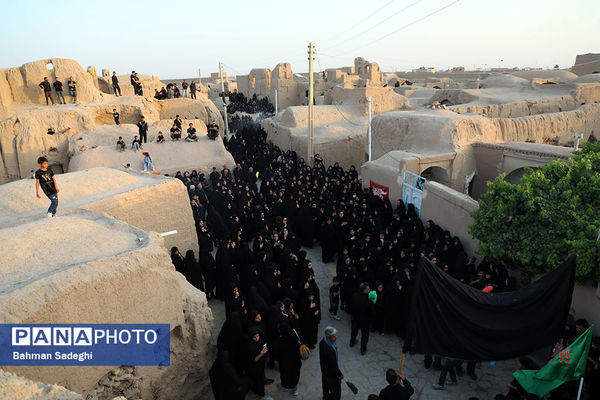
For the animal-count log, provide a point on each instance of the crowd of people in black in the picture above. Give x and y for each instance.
(172, 91)
(272, 301)
(254, 105)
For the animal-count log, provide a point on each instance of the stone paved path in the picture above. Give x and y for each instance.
(384, 351)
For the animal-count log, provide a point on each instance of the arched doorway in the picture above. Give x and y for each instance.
(436, 174)
(515, 176)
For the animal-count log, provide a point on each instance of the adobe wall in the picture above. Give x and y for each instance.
(382, 99)
(339, 133)
(586, 64)
(386, 172)
(147, 201)
(168, 158)
(23, 81)
(451, 210)
(489, 161)
(148, 82)
(586, 302)
(159, 208)
(25, 118)
(93, 269)
(23, 135)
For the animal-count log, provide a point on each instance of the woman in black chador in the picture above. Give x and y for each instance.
(288, 350)
(309, 318)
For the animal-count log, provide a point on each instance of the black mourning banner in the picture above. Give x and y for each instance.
(451, 319)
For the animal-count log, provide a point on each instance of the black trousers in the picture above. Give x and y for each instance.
(143, 137)
(333, 308)
(48, 95)
(193, 94)
(365, 331)
(116, 89)
(437, 361)
(116, 120)
(470, 366)
(332, 388)
(448, 367)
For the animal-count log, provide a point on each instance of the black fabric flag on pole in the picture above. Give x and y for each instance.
(451, 319)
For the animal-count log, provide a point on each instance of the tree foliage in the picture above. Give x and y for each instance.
(552, 213)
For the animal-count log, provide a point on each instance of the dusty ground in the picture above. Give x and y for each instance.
(15, 387)
(368, 372)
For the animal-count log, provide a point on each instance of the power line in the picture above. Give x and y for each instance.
(403, 27)
(377, 24)
(231, 68)
(589, 62)
(362, 20)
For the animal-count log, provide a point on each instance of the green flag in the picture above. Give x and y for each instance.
(567, 366)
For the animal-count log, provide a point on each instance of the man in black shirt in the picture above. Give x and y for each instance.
(331, 376)
(362, 311)
(121, 144)
(193, 90)
(175, 132)
(58, 86)
(177, 121)
(132, 79)
(47, 90)
(44, 177)
(191, 134)
(116, 116)
(72, 85)
(395, 391)
(213, 130)
(143, 130)
(138, 85)
(184, 86)
(115, 84)
(136, 144)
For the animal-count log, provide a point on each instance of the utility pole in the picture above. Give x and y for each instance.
(224, 103)
(275, 101)
(369, 132)
(311, 110)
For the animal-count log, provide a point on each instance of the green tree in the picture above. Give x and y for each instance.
(552, 213)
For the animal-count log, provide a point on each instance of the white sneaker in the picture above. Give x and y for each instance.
(267, 397)
(49, 215)
(295, 391)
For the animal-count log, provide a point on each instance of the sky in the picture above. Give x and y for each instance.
(176, 38)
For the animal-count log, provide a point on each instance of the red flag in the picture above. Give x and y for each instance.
(379, 190)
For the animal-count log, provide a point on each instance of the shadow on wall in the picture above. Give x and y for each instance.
(436, 174)
(127, 115)
(515, 176)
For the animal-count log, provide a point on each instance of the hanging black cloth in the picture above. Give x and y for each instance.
(451, 319)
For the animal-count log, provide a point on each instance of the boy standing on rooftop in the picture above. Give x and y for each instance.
(44, 177)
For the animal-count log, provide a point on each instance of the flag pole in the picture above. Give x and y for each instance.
(402, 363)
(580, 388)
